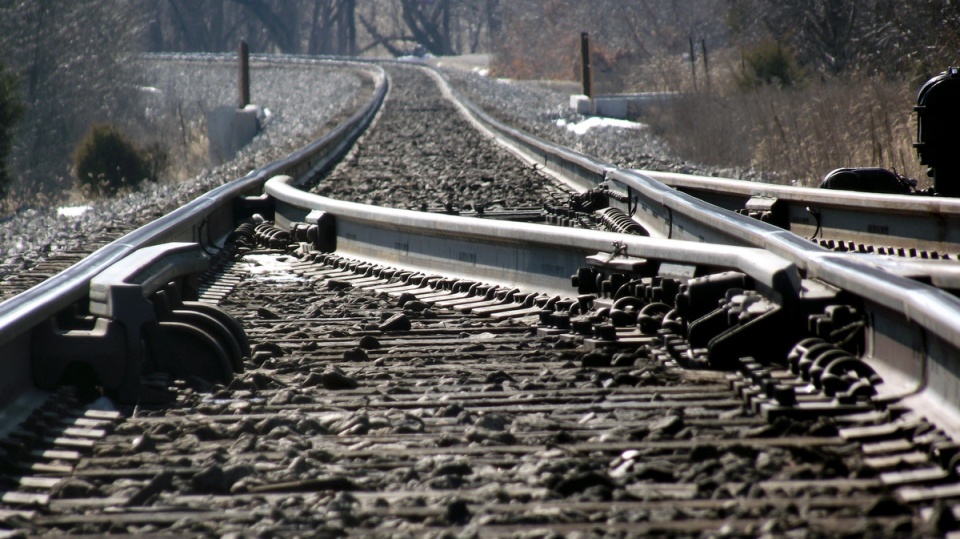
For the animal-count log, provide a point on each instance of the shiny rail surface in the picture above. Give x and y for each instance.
(927, 226)
(674, 215)
(910, 330)
(206, 220)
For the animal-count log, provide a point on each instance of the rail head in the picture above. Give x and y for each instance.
(886, 203)
(467, 244)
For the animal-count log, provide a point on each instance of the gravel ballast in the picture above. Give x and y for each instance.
(302, 97)
(422, 154)
(545, 112)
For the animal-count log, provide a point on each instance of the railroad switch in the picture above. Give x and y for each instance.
(138, 323)
(769, 210)
(829, 377)
(938, 114)
(592, 209)
(697, 315)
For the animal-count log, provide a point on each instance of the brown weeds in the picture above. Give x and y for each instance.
(798, 133)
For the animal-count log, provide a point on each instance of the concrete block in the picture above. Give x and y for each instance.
(229, 129)
(620, 106)
(606, 106)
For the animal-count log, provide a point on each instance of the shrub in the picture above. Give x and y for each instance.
(106, 162)
(768, 63)
(11, 108)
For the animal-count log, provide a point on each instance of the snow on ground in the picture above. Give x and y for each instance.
(585, 125)
(72, 211)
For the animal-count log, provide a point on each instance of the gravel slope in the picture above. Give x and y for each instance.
(537, 109)
(301, 102)
(301, 99)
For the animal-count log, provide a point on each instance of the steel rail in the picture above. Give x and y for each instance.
(666, 208)
(914, 330)
(205, 220)
(537, 257)
(913, 336)
(661, 209)
(918, 222)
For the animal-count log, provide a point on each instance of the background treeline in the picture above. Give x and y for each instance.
(791, 88)
(774, 68)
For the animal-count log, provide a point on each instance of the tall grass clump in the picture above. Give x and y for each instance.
(766, 115)
(105, 163)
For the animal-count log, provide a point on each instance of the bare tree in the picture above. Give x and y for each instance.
(539, 38)
(855, 36)
(333, 28)
(429, 24)
(276, 20)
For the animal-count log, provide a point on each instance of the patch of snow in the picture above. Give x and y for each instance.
(72, 211)
(271, 268)
(263, 113)
(483, 72)
(581, 128)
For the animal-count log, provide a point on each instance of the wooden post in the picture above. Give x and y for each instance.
(587, 68)
(244, 76)
(693, 64)
(706, 64)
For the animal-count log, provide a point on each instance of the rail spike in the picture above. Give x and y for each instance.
(138, 323)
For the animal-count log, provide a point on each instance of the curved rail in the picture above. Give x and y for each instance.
(902, 313)
(910, 222)
(679, 208)
(535, 256)
(205, 220)
(913, 329)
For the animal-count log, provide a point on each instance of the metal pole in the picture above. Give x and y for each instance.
(587, 68)
(244, 54)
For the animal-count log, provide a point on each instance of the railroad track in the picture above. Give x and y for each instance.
(344, 369)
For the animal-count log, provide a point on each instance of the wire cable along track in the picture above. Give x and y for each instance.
(270, 360)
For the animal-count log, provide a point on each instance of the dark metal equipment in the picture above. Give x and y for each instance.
(938, 114)
(868, 180)
(938, 140)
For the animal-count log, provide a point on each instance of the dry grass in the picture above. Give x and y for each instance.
(178, 147)
(796, 134)
(187, 153)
